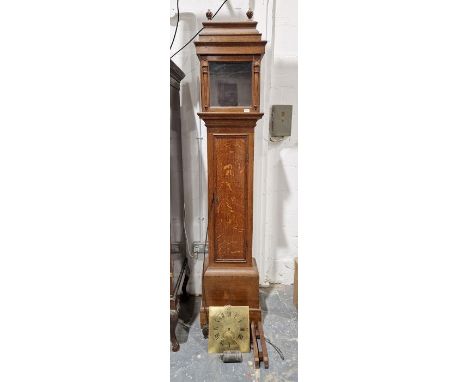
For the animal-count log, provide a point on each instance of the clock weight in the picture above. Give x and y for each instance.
(230, 356)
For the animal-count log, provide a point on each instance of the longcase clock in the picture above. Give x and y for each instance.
(230, 55)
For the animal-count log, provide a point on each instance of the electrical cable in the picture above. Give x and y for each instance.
(199, 139)
(219, 9)
(278, 350)
(187, 246)
(196, 34)
(177, 25)
(188, 42)
(203, 272)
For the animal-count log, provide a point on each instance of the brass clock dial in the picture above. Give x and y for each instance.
(228, 329)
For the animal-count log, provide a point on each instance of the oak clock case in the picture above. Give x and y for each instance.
(230, 56)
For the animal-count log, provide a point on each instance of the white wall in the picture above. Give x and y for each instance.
(281, 196)
(275, 172)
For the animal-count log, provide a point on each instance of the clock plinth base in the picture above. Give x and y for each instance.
(236, 286)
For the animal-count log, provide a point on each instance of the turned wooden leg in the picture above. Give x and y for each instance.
(174, 319)
(204, 320)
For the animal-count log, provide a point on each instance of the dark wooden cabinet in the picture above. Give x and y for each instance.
(180, 270)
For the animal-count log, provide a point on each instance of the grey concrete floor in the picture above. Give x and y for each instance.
(193, 363)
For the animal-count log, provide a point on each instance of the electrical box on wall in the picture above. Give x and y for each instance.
(281, 117)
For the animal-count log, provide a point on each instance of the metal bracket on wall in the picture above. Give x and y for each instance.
(199, 247)
(177, 247)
